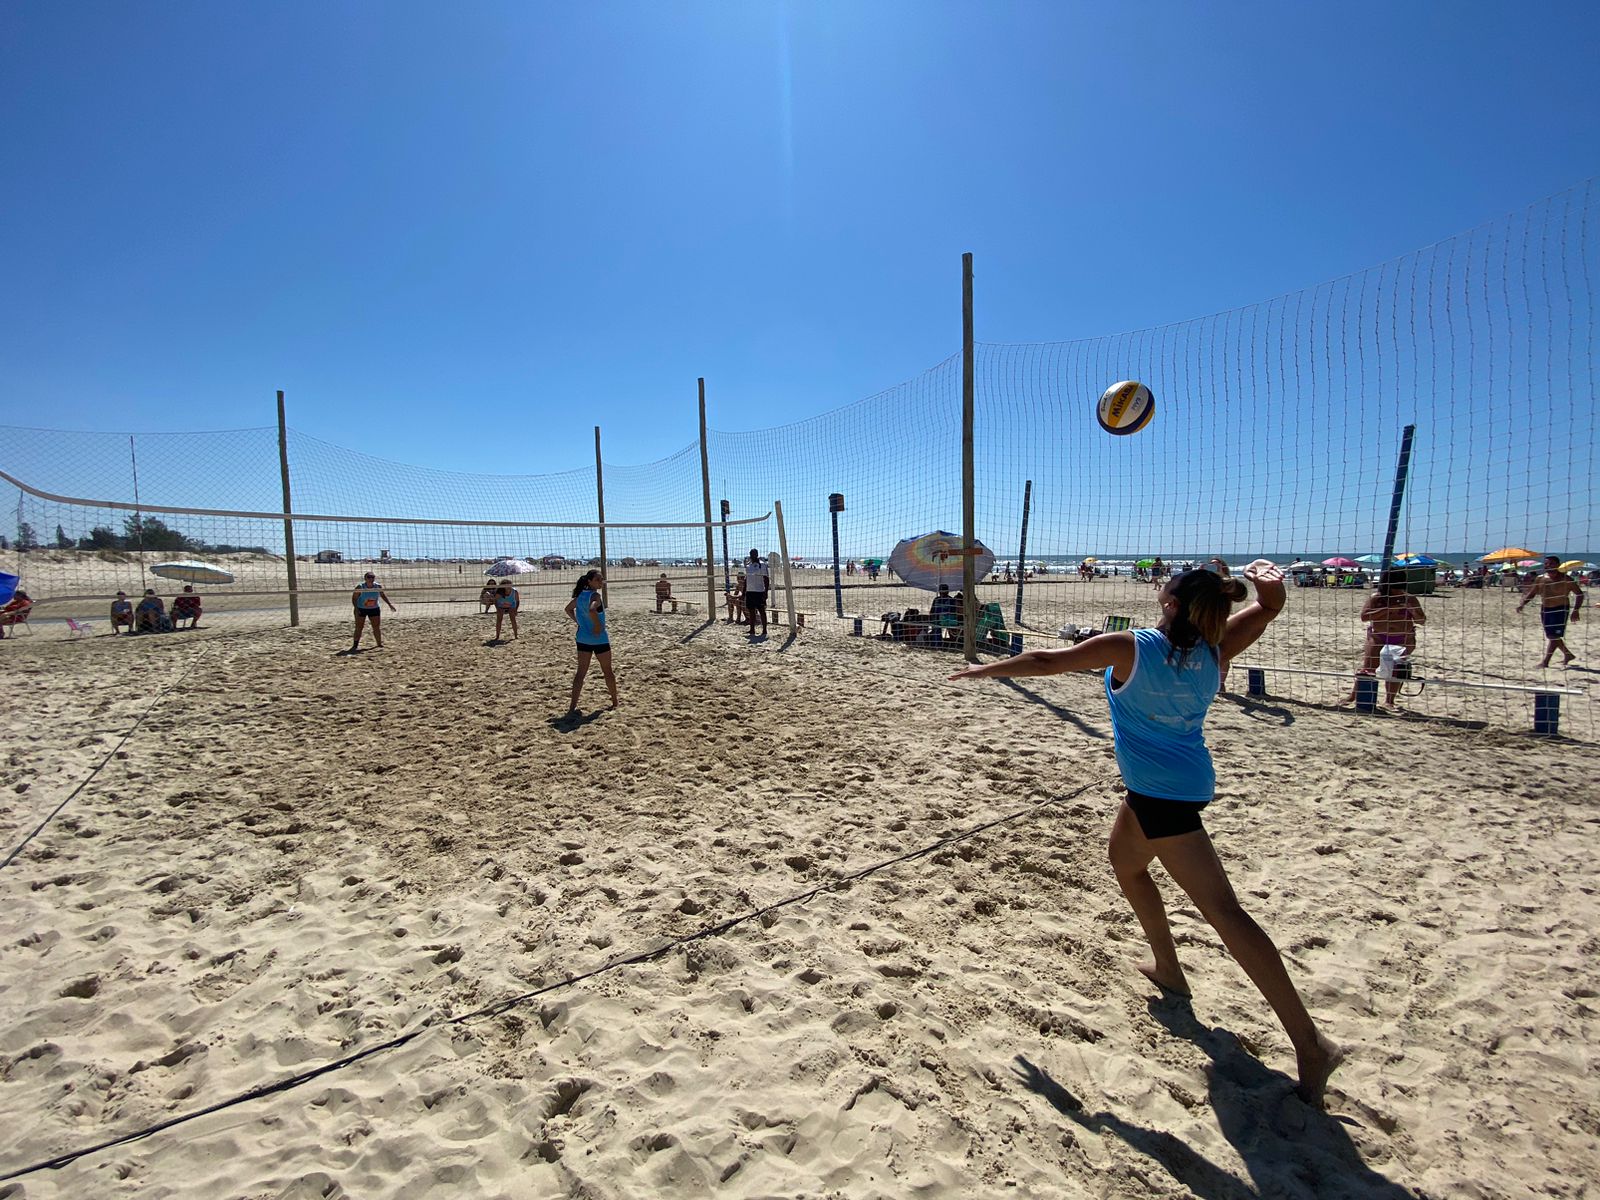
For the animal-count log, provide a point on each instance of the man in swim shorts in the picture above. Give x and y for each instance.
(1553, 588)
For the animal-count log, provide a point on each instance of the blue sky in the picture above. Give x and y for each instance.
(463, 235)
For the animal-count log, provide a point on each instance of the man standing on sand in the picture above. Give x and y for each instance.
(1552, 589)
(755, 592)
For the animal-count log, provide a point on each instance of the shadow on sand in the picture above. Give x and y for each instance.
(570, 722)
(1290, 1150)
(1069, 717)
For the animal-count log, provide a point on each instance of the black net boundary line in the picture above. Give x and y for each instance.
(110, 754)
(502, 1006)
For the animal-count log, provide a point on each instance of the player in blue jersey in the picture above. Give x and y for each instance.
(588, 609)
(366, 598)
(1159, 683)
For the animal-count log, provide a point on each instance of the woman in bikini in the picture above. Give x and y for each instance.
(1392, 615)
(1159, 683)
(506, 602)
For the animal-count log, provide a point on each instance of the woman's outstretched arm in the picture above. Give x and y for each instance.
(1113, 650)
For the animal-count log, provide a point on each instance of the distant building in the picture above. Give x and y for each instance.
(329, 556)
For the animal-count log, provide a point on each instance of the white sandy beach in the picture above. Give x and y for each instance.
(297, 855)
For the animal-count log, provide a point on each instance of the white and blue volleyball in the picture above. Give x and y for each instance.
(1125, 407)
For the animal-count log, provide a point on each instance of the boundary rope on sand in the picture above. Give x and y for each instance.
(110, 754)
(502, 1006)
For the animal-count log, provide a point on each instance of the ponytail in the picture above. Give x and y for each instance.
(583, 582)
(1204, 601)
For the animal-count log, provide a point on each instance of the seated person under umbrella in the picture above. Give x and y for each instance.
(121, 613)
(151, 615)
(186, 607)
(15, 611)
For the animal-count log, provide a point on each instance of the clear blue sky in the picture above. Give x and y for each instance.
(461, 235)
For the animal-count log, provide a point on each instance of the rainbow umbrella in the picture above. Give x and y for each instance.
(935, 558)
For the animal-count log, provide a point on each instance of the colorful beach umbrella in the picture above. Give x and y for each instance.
(1347, 563)
(192, 572)
(1506, 554)
(1145, 563)
(935, 558)
(1421, 560)
(1573, 564)
(503, 567)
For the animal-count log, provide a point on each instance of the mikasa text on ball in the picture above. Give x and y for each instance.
(1125, 407)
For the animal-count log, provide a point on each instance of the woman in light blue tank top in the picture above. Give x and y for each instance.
(506, 602)
(1159, 683)
(588, 609)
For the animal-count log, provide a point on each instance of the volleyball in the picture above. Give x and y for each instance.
(1125, 407)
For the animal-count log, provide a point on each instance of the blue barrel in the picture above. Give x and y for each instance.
(1016, 643)
(855, 627)
(1546, 713)
(1366, 693)
(1257, 685)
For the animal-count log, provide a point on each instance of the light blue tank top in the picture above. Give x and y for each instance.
(1158, 719)
(506, 603)
(591, 625)
(367, 596)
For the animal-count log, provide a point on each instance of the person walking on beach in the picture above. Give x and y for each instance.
(1553, 588)
(587, 607)
(506, 602)
(1159, 683)
(755, 591)
(366, 598)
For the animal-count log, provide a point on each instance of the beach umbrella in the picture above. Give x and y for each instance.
(503, 567)
(1420, 560)
(192, 572)
(1303, 566)
(1369, 559)
(935, 558)
(1347, 563)
(1145, 563)
(1573, 564)
(1506, 554)
(8, 586)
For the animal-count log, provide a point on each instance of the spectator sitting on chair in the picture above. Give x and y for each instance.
(943, 610)
(151, 613)
(121, 613)
(15, 611)
(664, 593)
(186, 608)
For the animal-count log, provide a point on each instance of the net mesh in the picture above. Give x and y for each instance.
(1277, 432)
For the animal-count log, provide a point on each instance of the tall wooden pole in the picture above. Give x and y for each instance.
(705, 487)
(288, 525)
(600, 505)
(969, 519)
(788, 580)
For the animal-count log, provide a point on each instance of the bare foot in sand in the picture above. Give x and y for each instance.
(1167, 981)
(1315, 1069)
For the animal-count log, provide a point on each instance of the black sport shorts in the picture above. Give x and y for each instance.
(1160, 818)
(756, 601)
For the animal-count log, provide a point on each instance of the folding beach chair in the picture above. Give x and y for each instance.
(1116, 624)
(79, 628)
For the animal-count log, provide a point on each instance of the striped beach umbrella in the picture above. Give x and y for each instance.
(501, 568)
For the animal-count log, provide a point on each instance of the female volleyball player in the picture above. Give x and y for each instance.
(1159, 683)
(588, 609)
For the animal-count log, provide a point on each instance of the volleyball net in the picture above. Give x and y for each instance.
(1277, 434)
